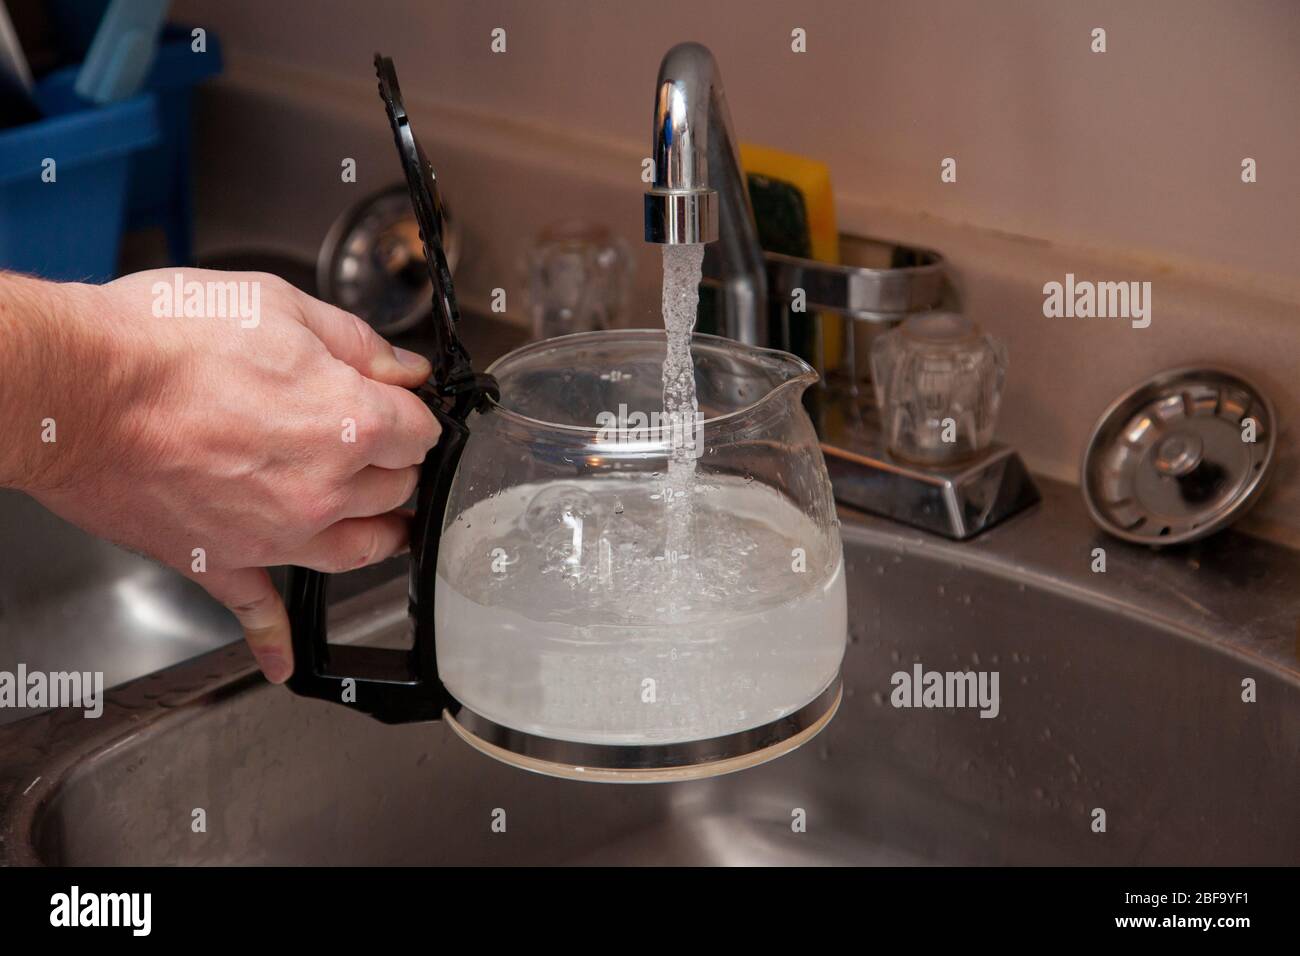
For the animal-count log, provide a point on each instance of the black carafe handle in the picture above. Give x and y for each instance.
(393, 685)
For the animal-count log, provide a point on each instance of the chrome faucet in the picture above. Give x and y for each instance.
(699, 193)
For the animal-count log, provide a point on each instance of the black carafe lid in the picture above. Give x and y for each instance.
(453, 374)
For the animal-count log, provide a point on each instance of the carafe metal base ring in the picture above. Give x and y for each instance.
(648, 763)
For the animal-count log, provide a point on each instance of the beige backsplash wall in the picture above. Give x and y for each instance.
(1115, 166)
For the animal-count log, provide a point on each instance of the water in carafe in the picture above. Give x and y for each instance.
(589, 608)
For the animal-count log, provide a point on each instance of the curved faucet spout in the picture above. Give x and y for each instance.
(699, 193)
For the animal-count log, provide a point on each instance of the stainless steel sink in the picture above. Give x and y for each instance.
(1120, 691)
(69, 601)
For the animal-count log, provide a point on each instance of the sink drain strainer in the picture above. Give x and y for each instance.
(1179, 457)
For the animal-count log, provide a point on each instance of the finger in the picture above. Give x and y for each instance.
(408, 428)
(351, 340)
(253, 599)
(376, 491)
(354, 543)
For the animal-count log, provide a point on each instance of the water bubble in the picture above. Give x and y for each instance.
(565, 523)
(559, 508)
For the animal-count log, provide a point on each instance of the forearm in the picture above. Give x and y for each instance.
(51, 397)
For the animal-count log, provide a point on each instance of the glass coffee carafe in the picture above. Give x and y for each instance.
(594, 592)
(602, 596)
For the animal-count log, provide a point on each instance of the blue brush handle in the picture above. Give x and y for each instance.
(122, 51)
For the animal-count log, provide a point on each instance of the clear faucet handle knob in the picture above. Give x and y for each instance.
(938, 382)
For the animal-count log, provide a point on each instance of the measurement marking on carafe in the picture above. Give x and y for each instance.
(667, 493)
(672, 557)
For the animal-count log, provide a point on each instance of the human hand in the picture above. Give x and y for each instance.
(220, 446)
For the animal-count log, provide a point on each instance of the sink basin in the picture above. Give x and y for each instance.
(1120, 691)
(69, 601)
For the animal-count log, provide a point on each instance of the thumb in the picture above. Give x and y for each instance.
(351, 340)
(253, 599)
